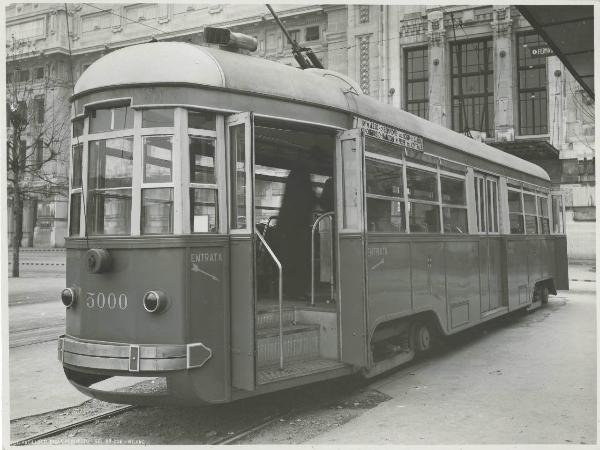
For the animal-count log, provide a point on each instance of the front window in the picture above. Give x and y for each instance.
(154, 118)
(146, 174)
(157, 211)
(110, 170)
(110, 119)
(158, 159)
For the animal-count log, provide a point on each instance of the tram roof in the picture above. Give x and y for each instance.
(185, 63)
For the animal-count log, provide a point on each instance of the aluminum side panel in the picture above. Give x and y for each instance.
(209, 318)
(561, 276)
(352, 300)
(462, 283)
(242, 313)
(429, 278)
(389, 283)
(496, 272)
(516, 271)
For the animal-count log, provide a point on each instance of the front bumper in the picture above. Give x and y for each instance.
(131, 358)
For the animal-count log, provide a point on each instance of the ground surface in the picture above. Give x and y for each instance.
(530, 378)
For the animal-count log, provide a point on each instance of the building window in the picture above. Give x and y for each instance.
(40, 109)
(38, 73)
(23, 75)
(532, 82)
(416, 67)
(473, 86)
(312, 34)
(39, 153)
(9, 77)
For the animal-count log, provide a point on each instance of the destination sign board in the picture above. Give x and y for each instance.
(393, 135)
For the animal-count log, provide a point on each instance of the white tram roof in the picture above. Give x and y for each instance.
(181, 62)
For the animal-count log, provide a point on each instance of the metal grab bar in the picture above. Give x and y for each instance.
(312, 252)
(278, 264)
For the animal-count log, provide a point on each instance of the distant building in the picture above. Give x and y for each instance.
(478, 70)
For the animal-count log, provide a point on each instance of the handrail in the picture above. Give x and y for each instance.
(279, 268)
(312, 252)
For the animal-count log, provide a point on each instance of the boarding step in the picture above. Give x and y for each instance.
(300, 341)
(295, 369)
(268, 316)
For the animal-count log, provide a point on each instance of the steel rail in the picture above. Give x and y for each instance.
(47, 434)
(312, 252)
(279, 268)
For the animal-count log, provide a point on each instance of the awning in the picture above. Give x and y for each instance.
(529, 149)
(569, 31)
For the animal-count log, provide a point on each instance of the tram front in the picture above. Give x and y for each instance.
(147, 258)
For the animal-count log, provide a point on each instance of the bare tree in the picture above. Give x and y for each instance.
(37, 129)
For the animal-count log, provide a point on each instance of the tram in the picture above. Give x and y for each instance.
(238, 226)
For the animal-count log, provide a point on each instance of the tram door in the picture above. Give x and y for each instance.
(490, 246)
(349, 163)
(240, 142)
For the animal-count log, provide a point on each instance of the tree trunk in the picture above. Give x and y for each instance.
(17, 212)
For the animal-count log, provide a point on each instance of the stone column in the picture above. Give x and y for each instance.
(503, 75)
(439, 103)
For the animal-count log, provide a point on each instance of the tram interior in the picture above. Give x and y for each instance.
(294, 186)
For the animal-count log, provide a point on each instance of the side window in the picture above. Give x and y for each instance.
(486, 204)
(385, 197)
(530, 209)
(515, 212)
(423, 206)
(203, 185)
(543, 217)
(454, 205)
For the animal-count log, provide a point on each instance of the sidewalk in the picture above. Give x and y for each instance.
(532, 381)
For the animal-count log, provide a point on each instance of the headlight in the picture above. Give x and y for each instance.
(68, 297)
(155, 301)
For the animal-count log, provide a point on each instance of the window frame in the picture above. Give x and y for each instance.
(521, 69)
(220, 168)
(402, 160)
(487, 95)
(407, 82)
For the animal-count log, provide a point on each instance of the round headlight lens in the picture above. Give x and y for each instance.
(67, 296)
(154, 301)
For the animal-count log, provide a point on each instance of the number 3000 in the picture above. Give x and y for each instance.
(110, 301)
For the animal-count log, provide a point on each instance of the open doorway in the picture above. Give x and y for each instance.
(294, 188)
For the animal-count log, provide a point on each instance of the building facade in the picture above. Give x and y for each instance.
(478, 70)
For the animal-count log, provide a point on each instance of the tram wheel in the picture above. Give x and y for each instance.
(421, 337)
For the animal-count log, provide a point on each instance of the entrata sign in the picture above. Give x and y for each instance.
(543, 50)
(394, 135)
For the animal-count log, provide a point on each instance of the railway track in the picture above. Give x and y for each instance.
(48, 434)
